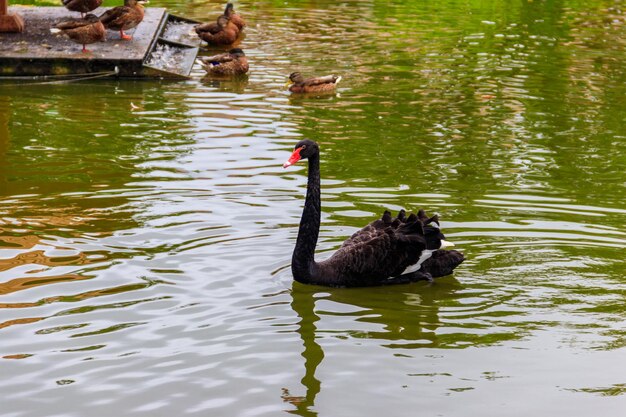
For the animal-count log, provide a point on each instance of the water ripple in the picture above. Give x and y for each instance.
(145, 249)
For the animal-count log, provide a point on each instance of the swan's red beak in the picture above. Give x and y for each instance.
(295, 157)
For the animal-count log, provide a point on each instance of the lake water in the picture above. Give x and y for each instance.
(146, 227)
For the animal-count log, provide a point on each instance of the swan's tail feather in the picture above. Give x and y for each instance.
(434, 219)
(412, 228)
(387, 219)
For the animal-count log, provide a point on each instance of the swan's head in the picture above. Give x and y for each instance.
(303, 149)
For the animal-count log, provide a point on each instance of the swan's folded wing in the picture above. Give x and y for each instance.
(369, 232)
(379, 251)
(365, 234)
(377, 227)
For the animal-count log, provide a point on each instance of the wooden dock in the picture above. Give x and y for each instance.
(163, 46)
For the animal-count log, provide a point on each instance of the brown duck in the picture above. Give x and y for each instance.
(224, 32)
(82, 6)
(233, 62)
(234, 16)
(83, 31)
(298, 84)
(124, 17)
(229, 12)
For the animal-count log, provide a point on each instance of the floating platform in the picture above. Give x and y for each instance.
(163, 46)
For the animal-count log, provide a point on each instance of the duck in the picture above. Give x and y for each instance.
(229, 13)
(83, 31)
(223, 32)
(82, 6)
(124, 17)
(298, 84)
(234, 16)
(233, 62)
(387, 251)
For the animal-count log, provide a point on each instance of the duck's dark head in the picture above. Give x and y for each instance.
(229, 9)
(296, 77)
(303, 150)
(92, 18)
(237, 52)
(132, 3)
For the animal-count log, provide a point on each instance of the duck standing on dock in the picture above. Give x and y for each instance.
(298, 84)
(224, 32)
(233, 62)
(82, 6)
(124, 17)
(83, 31)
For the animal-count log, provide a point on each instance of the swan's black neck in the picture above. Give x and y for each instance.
(303, 264)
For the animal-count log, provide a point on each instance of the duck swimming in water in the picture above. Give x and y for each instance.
(229, 13)
(224, 32)
(234, 16)
(298, 84)
(233, 62)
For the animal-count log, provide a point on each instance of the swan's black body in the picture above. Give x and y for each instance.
(378, 254)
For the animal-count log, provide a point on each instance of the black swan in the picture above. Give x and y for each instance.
(386, 251)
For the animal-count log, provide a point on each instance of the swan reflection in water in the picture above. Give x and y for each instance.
(405, 316)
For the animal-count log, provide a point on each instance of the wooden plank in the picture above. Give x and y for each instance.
(38, 52)
(37, 43)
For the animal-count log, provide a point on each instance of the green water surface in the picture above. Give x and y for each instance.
(146, 227)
